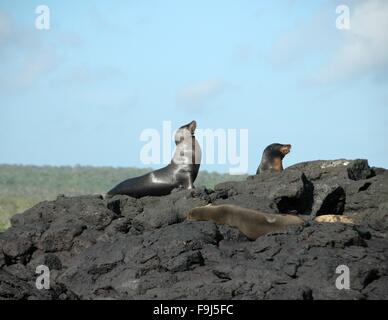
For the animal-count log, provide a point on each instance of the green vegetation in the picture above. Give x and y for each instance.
(21, 187)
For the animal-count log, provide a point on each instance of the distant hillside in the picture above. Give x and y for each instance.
(21, 187)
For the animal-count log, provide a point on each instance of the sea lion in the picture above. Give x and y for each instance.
(272, 159)
(180, 173)
(251, 223)
(331, 218)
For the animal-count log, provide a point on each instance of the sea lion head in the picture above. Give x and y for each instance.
(185, 132)
(195, 214)
(190, 216)
(272, 159)
(277, 150)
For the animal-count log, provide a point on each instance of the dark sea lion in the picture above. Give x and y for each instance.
(272, 159)
(251, 223)
(180, 173)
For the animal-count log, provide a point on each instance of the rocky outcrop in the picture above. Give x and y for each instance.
(126, 248)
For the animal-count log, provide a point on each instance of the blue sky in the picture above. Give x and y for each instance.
(83, 91)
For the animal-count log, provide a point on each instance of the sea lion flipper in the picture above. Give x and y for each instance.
(270, 219)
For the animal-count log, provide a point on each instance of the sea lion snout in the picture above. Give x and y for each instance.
(186, 132)
(285, 149)
(196, 214)
(193, 126)
(272, 157)
(192, 216)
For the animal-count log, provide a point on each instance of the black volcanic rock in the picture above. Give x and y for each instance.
(285, 192)
(126, 248)
(340, 170)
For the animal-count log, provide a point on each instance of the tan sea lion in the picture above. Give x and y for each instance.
(331, 218)
(251, 223)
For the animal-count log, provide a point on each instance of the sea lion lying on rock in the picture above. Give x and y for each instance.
(251, 223)
(254, 223)
(335, 218)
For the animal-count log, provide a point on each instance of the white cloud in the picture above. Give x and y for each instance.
(36, 66)
(71, 40)
(338, 55)
(364, 48)
(307, 37)
(5, 28)
(25, 58)
(83, 74)
(199, 94)
(104, 22)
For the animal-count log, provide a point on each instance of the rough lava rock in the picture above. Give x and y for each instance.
(126, 248)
